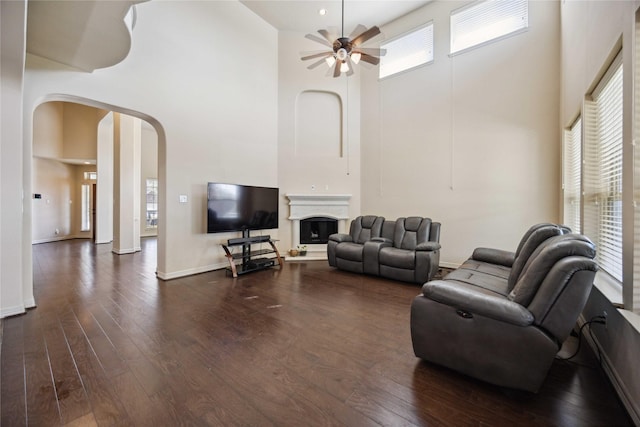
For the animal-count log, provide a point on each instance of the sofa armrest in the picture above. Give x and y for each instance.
(428, 246)
(340, 237)
(472, 301)
(494, 256)
(382, 240)
(371, 259)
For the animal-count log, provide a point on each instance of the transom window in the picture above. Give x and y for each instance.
(484, 21)
(407, 51)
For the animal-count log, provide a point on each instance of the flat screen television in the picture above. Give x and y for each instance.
(232, 207)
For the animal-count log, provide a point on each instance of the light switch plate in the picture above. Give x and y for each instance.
(183, 198)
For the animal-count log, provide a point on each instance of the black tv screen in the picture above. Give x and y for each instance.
(232, 207)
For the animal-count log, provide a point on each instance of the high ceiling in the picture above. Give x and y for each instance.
(303, 16)
(92, 34)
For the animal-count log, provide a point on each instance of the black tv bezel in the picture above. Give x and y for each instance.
(244, 230)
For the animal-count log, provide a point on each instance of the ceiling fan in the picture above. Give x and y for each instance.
(345, 51)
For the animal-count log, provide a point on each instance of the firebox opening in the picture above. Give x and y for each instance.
(316, 230)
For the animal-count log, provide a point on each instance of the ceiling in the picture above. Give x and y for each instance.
(93, 34)
(83, 34)
(302, 15)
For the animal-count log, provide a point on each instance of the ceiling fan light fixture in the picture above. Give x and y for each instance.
(342, 54)
(345, 51)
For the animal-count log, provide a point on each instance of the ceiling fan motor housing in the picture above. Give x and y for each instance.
(342, 48)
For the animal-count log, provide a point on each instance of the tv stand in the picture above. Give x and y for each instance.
(251, 261)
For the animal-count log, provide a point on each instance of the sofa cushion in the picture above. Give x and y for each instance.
(410, 231)
(488, 282)
(528, 244)
(543, 258)
(366, 227)
(350, 251)
(399, 258)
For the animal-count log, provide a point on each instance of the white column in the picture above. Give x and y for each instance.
(126, 224)
(104, 202)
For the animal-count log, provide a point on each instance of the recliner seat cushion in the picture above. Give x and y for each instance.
(399, 258)
(350, 251)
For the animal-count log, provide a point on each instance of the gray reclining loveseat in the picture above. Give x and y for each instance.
(406, 249)
(501, 316)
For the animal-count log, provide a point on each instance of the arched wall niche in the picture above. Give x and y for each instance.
(319, 124)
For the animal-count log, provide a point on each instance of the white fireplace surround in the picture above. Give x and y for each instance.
(303, 206)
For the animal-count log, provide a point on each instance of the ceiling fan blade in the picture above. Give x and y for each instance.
(336, 69)
(319, 40)
(317, 55)
(370, 59)
(315, 64)
(358, 30)
(370, 33)
(327, 36)
(371, 51)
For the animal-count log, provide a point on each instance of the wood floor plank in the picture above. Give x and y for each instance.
(111, 345)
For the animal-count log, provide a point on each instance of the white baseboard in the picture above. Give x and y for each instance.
(189, 272)
(12, 311)
(618, 383)
(51, 239)
(126, 251)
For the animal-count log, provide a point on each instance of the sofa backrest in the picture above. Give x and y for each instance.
(388, 229)
(366, 227)
(543, 259)
(411, 231)
(533, 238)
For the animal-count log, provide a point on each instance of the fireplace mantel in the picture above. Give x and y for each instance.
(302, 206)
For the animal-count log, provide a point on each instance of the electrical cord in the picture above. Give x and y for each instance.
(595, 319)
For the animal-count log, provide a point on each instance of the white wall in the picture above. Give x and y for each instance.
(472, 140)
(205, 75)
(304, 167)
(16, 290)
(52, 214)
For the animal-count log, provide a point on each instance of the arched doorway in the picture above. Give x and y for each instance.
(89, 164)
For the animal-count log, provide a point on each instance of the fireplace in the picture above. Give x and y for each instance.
(316, 230)
(322, 215)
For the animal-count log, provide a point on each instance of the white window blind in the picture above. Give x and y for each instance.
(485, 21)
(603, 170)
(572, 169)
(407, 51)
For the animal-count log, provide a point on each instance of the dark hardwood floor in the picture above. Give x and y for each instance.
(109, 344)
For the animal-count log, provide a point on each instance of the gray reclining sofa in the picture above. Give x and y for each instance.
(406, 249)
(502, 316)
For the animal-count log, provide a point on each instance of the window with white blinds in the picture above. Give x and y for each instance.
(407, 51)
(571, 175)
(485, 21)
(603, 169)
